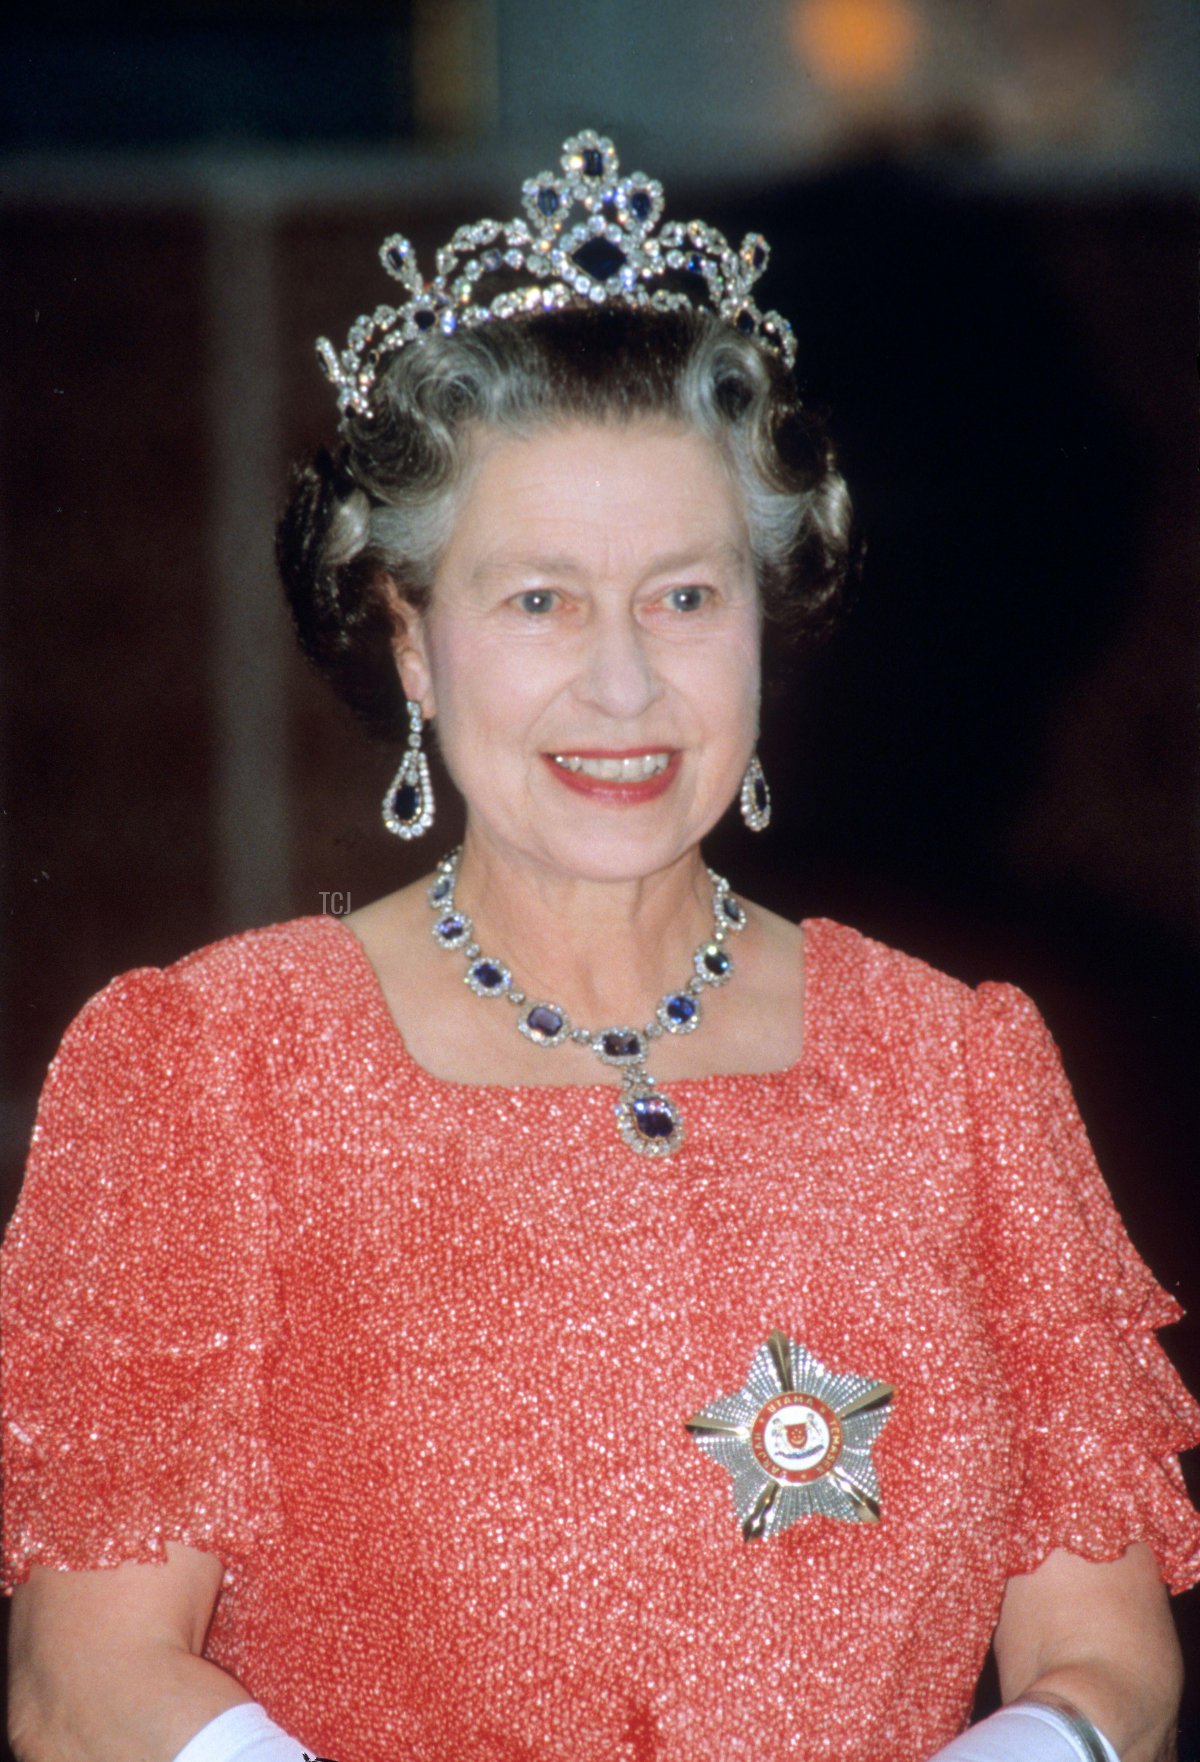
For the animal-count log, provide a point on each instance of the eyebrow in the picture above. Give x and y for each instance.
(568, 568)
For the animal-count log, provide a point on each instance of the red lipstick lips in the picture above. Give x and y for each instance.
(611, 791)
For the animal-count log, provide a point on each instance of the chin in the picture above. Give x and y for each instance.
(615, 848)
(592, 841)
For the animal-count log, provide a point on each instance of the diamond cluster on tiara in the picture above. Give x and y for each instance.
(588, 238)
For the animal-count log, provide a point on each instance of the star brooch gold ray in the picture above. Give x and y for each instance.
(796, 1439)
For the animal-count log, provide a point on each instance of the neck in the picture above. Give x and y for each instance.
(604, 950)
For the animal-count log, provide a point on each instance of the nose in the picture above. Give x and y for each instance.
(617, 674)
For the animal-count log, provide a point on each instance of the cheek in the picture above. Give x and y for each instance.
(484, 701)
(729, 686)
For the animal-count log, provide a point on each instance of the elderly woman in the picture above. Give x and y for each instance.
(400, 1367)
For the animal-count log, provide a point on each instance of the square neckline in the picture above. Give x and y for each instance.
(388, 1032)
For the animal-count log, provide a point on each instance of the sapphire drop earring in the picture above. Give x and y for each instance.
(755, 798)
(408, 801)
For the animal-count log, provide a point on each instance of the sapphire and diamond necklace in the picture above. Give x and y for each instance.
(648, 1121)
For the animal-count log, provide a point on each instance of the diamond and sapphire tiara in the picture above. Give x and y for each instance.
(587, 239)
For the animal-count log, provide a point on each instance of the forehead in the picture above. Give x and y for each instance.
(596, 494)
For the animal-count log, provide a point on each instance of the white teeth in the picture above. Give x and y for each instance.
(616, 770)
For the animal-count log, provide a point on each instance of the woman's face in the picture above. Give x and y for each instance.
(590, 651)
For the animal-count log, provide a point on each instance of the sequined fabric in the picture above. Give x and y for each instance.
(413, 1358)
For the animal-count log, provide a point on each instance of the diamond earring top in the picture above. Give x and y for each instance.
(587, 238)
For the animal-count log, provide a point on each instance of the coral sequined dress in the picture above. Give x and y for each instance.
(414, 1360)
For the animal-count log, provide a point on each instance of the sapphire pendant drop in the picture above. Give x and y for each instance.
(649, 1122)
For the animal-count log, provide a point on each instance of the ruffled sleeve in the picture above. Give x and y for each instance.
(1097, 1410)
(135, 1298)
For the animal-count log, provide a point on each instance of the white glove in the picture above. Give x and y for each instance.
(242, 1734)
(1026, 1731)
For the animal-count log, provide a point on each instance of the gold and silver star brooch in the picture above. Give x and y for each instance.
(796, 1439)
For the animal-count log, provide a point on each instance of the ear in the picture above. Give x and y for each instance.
(410, 649)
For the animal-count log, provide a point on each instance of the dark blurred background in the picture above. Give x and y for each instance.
(984, 220)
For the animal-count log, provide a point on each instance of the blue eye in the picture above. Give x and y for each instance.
(537, 601)
(686, 599)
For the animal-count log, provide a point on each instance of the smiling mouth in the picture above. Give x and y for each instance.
(611, 770)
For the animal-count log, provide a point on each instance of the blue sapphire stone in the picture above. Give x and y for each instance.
(680, 1008)
(593, 162)
(405, 805)
(441, 888)
(758, 257)
(424, 319)
(760, 795)
(732, 909)
(654, 1116)
(695, 266)
(487, 974)
(544, 1022)
(396, 257)
(450, 927)
(717, 961)
(745, 322)
(547, 200)
(600, 258)
(621, 1045)
(640, 204)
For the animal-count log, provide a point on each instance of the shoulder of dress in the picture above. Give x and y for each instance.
(278, 971)
(240, 1009)
(878, 972)
(894, 995)
(240, 981)
(280, 951)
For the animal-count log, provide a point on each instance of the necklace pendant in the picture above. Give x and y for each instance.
(648, 1120)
